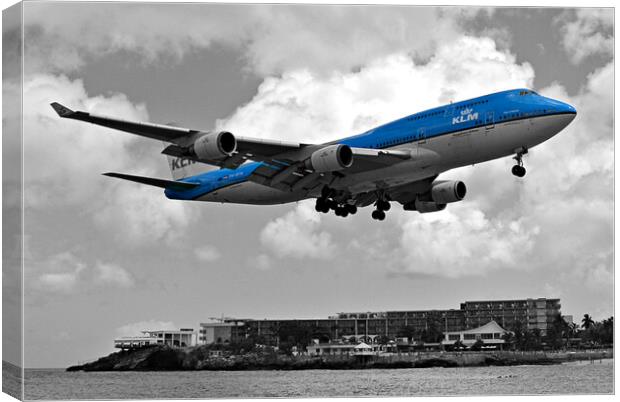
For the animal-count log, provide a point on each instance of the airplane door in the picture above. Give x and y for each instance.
(490, 120)
(422, 136)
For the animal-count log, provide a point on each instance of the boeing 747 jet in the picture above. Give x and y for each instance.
(396, 162)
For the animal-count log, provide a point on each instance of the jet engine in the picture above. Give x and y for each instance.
(214, 145)
(444, 192)
(424, 207)
(331, 158)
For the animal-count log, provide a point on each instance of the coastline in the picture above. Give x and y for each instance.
(164, 358)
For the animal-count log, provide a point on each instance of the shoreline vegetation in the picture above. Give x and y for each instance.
(165, 358)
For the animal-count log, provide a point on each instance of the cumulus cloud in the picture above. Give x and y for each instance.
(64, 159)
(463, 243)
(136, 328)
(304, 106)
(557, 218)
(113, 274)
(207, 253)
(64, 36)
(297, 235)
(587, 32)
(141, 215)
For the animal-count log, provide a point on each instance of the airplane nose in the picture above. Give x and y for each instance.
(568, 108)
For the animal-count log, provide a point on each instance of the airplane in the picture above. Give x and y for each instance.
(396, 162)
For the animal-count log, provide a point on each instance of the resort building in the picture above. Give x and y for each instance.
(177, 338)
(491, 334)
(413, 325)
(360, 349)
(220, 332)
(531, 313)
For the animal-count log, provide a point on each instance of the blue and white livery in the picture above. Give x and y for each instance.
(396, 162)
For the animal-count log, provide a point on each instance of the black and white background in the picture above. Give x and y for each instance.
(106, 258)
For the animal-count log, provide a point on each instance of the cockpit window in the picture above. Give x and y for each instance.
(522, 93)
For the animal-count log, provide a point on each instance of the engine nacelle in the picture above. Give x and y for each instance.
(331, 158)
(214, 145)
(424, 207)
(444, 192)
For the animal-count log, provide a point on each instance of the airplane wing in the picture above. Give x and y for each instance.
(247, 148)
(283, 165)
(291, 174)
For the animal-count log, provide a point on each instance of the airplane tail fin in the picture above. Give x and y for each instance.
(181, 167)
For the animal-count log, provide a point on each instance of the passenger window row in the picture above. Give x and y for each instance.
(440, 112)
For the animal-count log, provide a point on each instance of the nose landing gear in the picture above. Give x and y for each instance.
(518, 169)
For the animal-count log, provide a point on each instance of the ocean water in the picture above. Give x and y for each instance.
(567, 378)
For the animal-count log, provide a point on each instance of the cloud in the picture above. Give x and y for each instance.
(67, 273)
(297, 235)
(207, 253)
(587, 32)
(559, 218)
(556, 220)
(141, 215)
(305, 106)
(113, 274)
(64, 36)
(64, 159)
(62, 273)
(462, 241)
(136, 328)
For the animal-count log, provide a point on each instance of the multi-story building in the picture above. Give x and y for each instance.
(531, 313)
(220, 332)
(370, 326)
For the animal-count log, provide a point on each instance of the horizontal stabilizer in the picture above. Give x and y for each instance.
(173, 185)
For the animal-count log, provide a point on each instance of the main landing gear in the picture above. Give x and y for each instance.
(382, 206)
(325, 203)
(518, 169)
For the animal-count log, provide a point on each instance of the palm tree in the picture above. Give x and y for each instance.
(587, 321)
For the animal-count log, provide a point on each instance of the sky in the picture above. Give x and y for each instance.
(105, 258)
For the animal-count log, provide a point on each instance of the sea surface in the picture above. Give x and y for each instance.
(567, 378)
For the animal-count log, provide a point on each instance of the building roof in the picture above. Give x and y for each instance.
(489, 327)
(362, 346)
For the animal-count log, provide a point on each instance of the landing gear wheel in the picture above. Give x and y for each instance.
(352, 209)
(322, 205)
(378, 215)
(518, 171)
(341, 211)
(383, 205)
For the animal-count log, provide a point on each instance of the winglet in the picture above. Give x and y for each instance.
(62, 111)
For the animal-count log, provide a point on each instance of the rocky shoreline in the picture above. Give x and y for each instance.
(164, 358)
